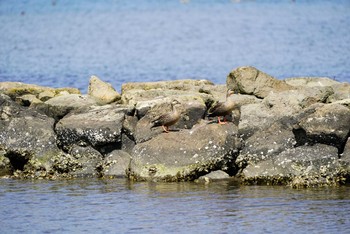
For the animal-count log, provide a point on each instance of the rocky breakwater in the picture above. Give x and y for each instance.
(289, 132)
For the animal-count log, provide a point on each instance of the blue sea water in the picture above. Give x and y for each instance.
(62, 43)
(120, 206)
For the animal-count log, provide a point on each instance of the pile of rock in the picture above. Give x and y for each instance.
(294, 131)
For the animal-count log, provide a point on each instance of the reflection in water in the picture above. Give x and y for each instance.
(95, 205)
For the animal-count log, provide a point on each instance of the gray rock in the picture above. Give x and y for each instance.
(26, 136)
(255, 117)
(213, 176)
(185, 155)
(293, 101)
(116, 164)
(304, 166)
(184, 85)
(340, 92)
(59, 106)
(329, 124)
(88, 160)
(346, 153)
(102, 92)
(311, 81)
(266, 144)
(95, 126)
(249, 80)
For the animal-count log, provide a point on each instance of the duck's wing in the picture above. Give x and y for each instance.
(217, 109)
(160, 120)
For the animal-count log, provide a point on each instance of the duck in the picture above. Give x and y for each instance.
(167, 119)
(221, 109)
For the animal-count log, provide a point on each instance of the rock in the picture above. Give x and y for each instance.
(5, 165)
(115, 164)
(214, 175)
(127, 143)
(266, 144)
(184, 85)
(16, 89)
(340, 92)
(94, 126)
(255, 117)
(59, 106)
(170, 156)
(329, 124)
(346, 153)
(27, 100)
(88, 160)
(103, 92)
(310, 81)
(294, 132)
(293, 101)
(284, 104)
(249, 80)
(46, 95)
(26, 136)
(304, 166)
(133, 93)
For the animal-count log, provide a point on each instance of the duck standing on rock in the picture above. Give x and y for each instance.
(222, 108)
(167, 119)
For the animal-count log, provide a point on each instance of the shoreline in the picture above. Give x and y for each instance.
(291, 132)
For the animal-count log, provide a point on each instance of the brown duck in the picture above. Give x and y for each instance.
(222, 108)
(167, 119)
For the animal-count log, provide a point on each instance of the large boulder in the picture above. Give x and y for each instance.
(304, 166)
(27, 137)
(267, 143)
(249, 80)
(101, 91)
(185, 155)
(276, 106)
(328, 124)
(95, 126)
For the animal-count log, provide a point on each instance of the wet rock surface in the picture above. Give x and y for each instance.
(288, 132)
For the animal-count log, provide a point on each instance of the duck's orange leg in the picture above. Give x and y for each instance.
(165, 128)
(219, 121)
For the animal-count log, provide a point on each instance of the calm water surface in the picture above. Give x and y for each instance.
(119, 206)
(62, 43)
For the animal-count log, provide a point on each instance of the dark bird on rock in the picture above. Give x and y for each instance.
(222, 108)
(167, 119)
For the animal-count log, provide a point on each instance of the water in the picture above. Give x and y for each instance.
(62, 43)
(120, 206)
